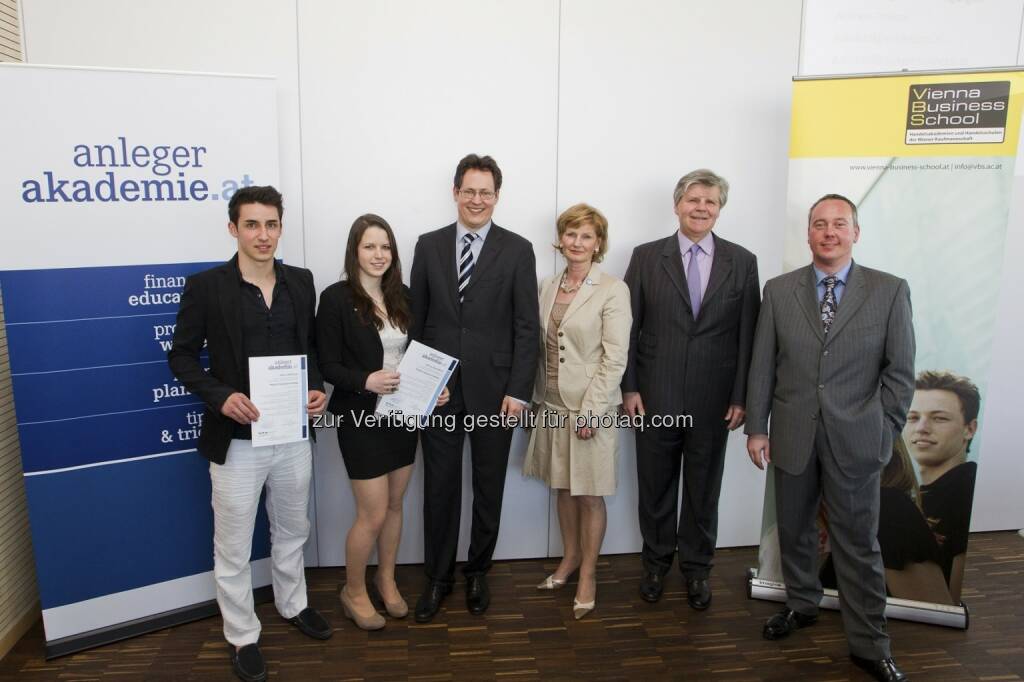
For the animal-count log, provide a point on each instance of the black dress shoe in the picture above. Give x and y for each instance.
(783, 623)
(430, 601)
(478, 597)
(312, 624)
(651, 586)
(248, 663)
(884, 670)
(698, 593)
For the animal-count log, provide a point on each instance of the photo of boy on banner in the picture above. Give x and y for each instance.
(925, 513)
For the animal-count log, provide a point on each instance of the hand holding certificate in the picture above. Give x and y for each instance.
(277, 386)
(424, 373)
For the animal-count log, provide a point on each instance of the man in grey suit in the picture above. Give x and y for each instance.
(833, 366)
(694, 297)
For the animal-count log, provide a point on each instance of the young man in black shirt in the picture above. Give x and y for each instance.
(942, 421)
(249, 307)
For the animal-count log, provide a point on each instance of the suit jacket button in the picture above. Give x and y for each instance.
(814, 417)
(561, 333)
(821, 387)
(561, 348)
(825, 353)
(561, 359)
(464, 330)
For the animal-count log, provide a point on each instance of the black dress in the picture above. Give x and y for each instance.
(349, 352)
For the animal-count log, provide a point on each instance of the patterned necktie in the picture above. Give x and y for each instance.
(828, 302)
(693, 280)
(466, 262)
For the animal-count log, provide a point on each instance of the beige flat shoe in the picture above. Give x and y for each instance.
(552, 583)
(374, 622)
(395, 609)
(580, 609)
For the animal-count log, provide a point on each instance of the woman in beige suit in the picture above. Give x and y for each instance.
(585, 315)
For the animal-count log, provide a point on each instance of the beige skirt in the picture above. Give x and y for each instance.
(562, 460)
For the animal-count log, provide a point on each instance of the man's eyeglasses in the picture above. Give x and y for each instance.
(484, 194)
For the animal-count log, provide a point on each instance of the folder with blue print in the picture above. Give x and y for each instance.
(423, 373)
(277, 387)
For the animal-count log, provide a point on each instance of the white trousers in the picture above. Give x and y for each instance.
(286, 471)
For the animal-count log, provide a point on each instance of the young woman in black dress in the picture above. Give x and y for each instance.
(362, 326)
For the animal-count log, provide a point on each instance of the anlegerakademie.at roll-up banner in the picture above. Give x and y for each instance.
(114, 187)
(929, 159)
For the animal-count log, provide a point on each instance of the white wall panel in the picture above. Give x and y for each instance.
(650, 90)
(868, 36)
(393, 94)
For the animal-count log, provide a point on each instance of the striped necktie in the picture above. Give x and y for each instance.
(466, 262)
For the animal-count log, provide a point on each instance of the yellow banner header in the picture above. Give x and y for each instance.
(963, 114)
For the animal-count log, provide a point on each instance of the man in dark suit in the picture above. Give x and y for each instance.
(251, 306)
(695, 301)
(474, 296)
(833, 366)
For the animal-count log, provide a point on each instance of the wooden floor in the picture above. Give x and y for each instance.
(529, 635)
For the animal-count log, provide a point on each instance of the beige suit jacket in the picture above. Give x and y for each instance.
(593, 343)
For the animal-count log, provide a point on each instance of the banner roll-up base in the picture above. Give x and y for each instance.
(116, 633)
(903, 609)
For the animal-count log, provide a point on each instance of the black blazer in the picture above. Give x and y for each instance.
(349, 350)
(681, 365)
(493, 332)
(211, 312)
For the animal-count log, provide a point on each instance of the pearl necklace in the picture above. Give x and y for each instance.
(567, 289)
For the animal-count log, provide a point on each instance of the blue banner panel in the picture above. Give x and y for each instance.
(56, 346)
(114, 486)
(75, 293)
(125, 525)
(121, 389)
(76, 442)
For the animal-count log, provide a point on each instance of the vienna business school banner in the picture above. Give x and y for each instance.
(113, 188)
(929, 160)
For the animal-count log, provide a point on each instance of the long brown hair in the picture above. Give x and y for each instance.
(899, 472)
(391, 283)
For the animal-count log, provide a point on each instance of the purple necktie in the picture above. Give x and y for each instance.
(693, 280)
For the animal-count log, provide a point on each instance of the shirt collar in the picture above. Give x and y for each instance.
(279, 271)
(707, 244)
(461, 231)
(841, 275)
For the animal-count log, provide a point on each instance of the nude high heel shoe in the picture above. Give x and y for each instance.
(395, 609)
(552, 583)
(374, 622)
(580, 609)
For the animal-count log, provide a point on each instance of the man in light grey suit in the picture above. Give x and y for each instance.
(833, 365)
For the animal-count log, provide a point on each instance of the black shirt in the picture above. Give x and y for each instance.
(266, 331)
(947, 506)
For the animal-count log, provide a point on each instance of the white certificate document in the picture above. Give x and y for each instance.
(424, 373)
(277, 386)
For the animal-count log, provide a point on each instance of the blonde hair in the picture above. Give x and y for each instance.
(579, 215)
